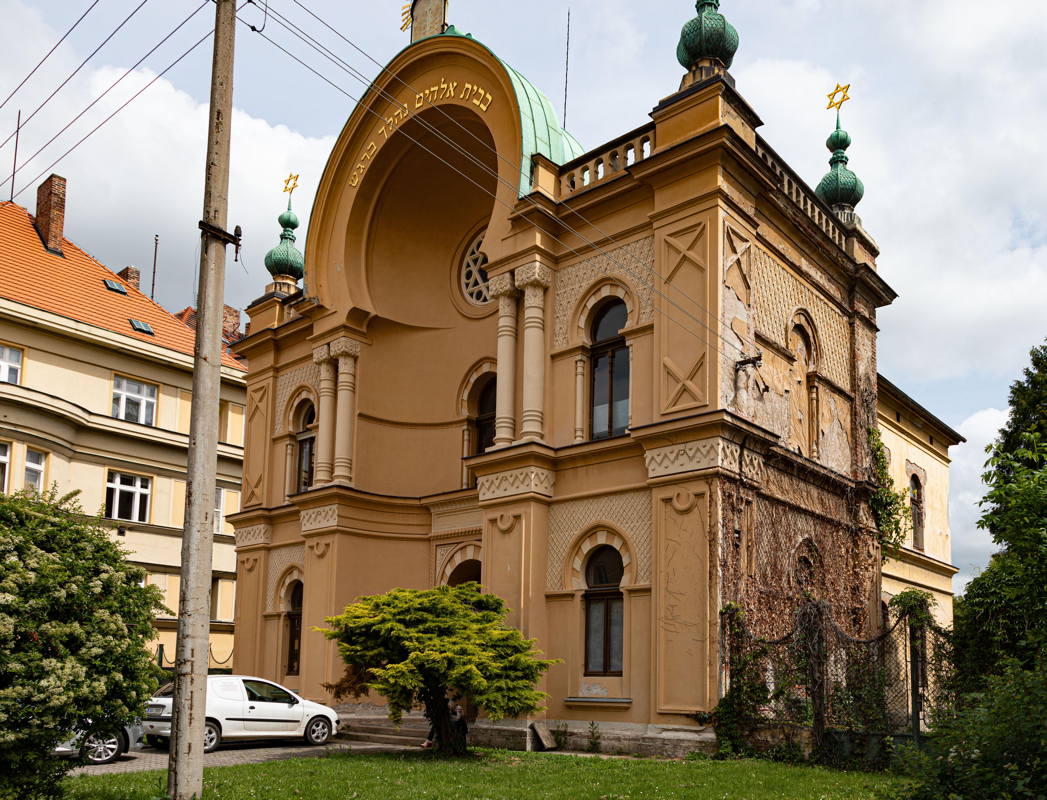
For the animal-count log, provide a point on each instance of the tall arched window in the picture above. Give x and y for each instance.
(293, 628)
(604, 612)
(305, 446)
(609, 406)
(804, 392)
(483, 424)
(916, 506)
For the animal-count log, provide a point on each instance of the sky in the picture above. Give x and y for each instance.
(946, 113)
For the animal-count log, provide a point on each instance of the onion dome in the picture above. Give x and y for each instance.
(707, 36)
(285, 258)
(840, 186)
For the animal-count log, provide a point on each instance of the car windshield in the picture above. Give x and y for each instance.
(167, 690)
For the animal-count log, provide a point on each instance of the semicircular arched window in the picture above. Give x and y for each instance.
(473, 272)
(293, 626)
(604, 612)
(609, 357)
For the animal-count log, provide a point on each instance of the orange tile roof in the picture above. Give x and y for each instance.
(72, 286)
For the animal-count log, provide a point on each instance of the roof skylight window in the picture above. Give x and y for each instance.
(114, 286)
(142, 327)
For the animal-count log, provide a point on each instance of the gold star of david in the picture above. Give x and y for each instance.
(843, 96)
(291, 183)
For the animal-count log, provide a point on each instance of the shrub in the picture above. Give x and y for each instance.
(74, 624)
(994, 745)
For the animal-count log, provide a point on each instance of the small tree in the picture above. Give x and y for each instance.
(74, 625)
(425, 647)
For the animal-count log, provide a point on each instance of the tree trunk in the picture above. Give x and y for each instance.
(448, 738)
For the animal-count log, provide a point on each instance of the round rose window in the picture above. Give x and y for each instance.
(474, 276)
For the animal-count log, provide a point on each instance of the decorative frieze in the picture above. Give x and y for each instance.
(315, 519)
(517, 481)
(254, 535)
(676, 459)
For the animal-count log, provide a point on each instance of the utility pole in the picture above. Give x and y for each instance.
(156, 246)
(185, 773)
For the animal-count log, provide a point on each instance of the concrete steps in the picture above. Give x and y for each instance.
(380, 731)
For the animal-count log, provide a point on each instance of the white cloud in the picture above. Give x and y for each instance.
(971, 546)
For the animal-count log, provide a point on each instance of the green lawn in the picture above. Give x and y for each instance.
(498, 775)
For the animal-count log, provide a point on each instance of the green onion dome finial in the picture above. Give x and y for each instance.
(707, 36)
(285, 258)
(840, 186)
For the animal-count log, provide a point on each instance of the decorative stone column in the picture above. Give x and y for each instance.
(347, 351)
(501, 286)
(579, 398)
(325, 420)
(290, 471)
(534, 279)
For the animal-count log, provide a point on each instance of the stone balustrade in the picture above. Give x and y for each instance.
(610, 161)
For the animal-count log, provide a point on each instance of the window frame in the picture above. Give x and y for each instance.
(144, 400)
(136, 490)
(614, 348)
(305, 433)
(606, 597)
(5, 465)
(293, 630)
(917, 494)
(40, 468)
(219, 510)
(6, 365)
(485, 422)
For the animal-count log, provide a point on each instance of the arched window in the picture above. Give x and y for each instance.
(804, 392)
(305, 446)
(468, 570)
(916, 506)
(604, 612)
(483, 424)
(293, 628)
(609, 406)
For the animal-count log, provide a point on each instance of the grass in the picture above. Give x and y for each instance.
(498, 775)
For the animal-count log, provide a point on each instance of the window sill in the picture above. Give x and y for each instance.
(599, 702)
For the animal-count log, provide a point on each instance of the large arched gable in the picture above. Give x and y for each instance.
(457, 85)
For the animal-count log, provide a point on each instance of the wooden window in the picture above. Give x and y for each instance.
(609, 359)
(5, 464)
(604, 612)
(916, 506)
(305, 457)
(127, 497)
(34, 469)
(485, 413)
(293, 626)
(10, 364)
(134, 401)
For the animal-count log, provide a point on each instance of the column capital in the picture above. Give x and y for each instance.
(535, 274)
(501, 285)
(345, 347)
(322, 354)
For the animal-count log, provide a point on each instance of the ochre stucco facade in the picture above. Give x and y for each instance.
(750, 339)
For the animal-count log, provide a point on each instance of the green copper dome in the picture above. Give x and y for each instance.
(840, 186)
(285, 258)
(709, 35)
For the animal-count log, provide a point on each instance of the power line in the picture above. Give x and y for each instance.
(126, 103)
(640, 278)
(48, 55)
(517, 166)
(112, 86)
(75, 71)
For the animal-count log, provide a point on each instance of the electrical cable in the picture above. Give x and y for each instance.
(75, 71)
(440, 136)
(126, 103)
(48, 55)
(112, 86)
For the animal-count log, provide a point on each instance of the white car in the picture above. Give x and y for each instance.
(102, 746)
(243, 707)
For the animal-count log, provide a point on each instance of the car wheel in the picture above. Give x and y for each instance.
(100, 747)
(212, 735)
(318, 731)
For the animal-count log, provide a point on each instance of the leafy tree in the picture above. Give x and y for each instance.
(74, 624)
(1003, 612)
(428, 646)
(1028, 404)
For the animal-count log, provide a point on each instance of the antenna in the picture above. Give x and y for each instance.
(156, 246)
(567, 66)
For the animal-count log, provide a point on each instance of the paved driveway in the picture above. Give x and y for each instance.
(228, 755)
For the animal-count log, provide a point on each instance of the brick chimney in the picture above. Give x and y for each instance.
(131, 275)
(50, 212)
(230, 323)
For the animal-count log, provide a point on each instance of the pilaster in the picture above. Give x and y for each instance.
(534, 279)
